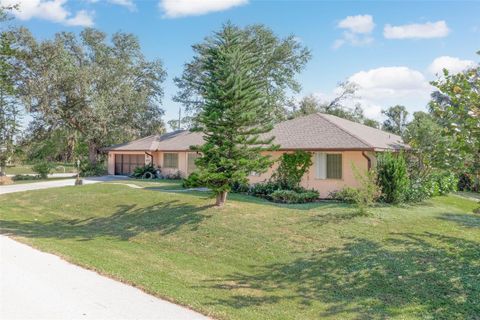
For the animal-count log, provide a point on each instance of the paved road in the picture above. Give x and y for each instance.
(53, 184)
(38, 285)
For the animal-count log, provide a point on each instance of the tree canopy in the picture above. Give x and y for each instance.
(106, 91)
(279, 61)
(347, 90)
(456, 106)
(9, 107)
(396, 121)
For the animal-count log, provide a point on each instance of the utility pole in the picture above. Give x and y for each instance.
(180, 118)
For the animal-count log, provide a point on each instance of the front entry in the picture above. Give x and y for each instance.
(126, 163)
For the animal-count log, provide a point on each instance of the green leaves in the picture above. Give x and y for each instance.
(107, 92)
(274, 63)
(234, 112)
(456, 106)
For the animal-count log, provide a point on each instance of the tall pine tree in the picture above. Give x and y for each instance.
(235, 116)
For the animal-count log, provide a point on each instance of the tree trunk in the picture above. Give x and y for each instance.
(92, 153)
(221, 198)
(3, 166)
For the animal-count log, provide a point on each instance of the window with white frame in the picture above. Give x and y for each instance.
(328, 165)
(170, 160)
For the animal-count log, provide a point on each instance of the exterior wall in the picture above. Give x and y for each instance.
(324, 186)
(182, 163)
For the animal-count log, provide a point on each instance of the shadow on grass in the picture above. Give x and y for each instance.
(125, 223)
(436, 275)
(466, 220)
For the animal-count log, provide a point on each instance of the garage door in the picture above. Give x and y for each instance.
(126, 163)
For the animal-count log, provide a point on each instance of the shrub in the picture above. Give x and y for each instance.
(240, 187)
(365, 195)
(264, 189)
(4, 180)
(147, 171)
(368, 191)
(89, 170)
(177, 175)
(291, 196)
(292, 168)
(347, 194)
(447, 182)
(465, 182)
(192, 181)
(431, 185)
(23, 177)
(43, 169)
(392, 177)
(419, 190)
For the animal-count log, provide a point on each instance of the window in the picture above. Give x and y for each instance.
(328, 165)
(191, 162)
(170, 160)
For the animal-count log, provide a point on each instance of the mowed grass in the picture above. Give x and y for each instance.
(27, 169)
(258, 260)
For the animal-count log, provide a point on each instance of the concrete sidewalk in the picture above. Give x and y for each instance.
(38, 285)
(55, 184)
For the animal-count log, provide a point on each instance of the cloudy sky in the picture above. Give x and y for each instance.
(390, 49)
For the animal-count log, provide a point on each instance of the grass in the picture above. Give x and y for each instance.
(27, 169)
(162, 184)
(39, 180)
(259, 260)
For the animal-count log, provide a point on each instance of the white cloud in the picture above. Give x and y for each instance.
(357, 31)
(427, 30)
(386, 86)
(129, 4)
(182, 8)
(358, 24)
(452, 64)
(83, 18)
(51, 10)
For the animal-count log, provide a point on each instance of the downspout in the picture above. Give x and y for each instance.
(369, 161)
(151, 157)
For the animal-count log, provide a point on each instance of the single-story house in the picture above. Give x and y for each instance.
(336, 143)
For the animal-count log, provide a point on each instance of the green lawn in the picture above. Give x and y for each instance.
(27, 169)
(39, 180)
(257, 260)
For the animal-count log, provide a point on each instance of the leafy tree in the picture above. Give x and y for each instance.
(186, 123)
(280, 60)
(310, 104)
(107, 92)
(9, 109)
(393, 177)
(456, 106)
(431, 148)
(234, 113)
(396, 119)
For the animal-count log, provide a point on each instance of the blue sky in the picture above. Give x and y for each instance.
(390, 49)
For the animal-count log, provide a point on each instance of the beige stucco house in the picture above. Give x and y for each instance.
(336, 144)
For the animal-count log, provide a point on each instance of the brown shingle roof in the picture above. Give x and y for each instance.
(313, 132)
(173, 141)
(327, 132)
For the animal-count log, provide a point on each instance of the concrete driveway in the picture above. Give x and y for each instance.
(38, 285)
(54, 184)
